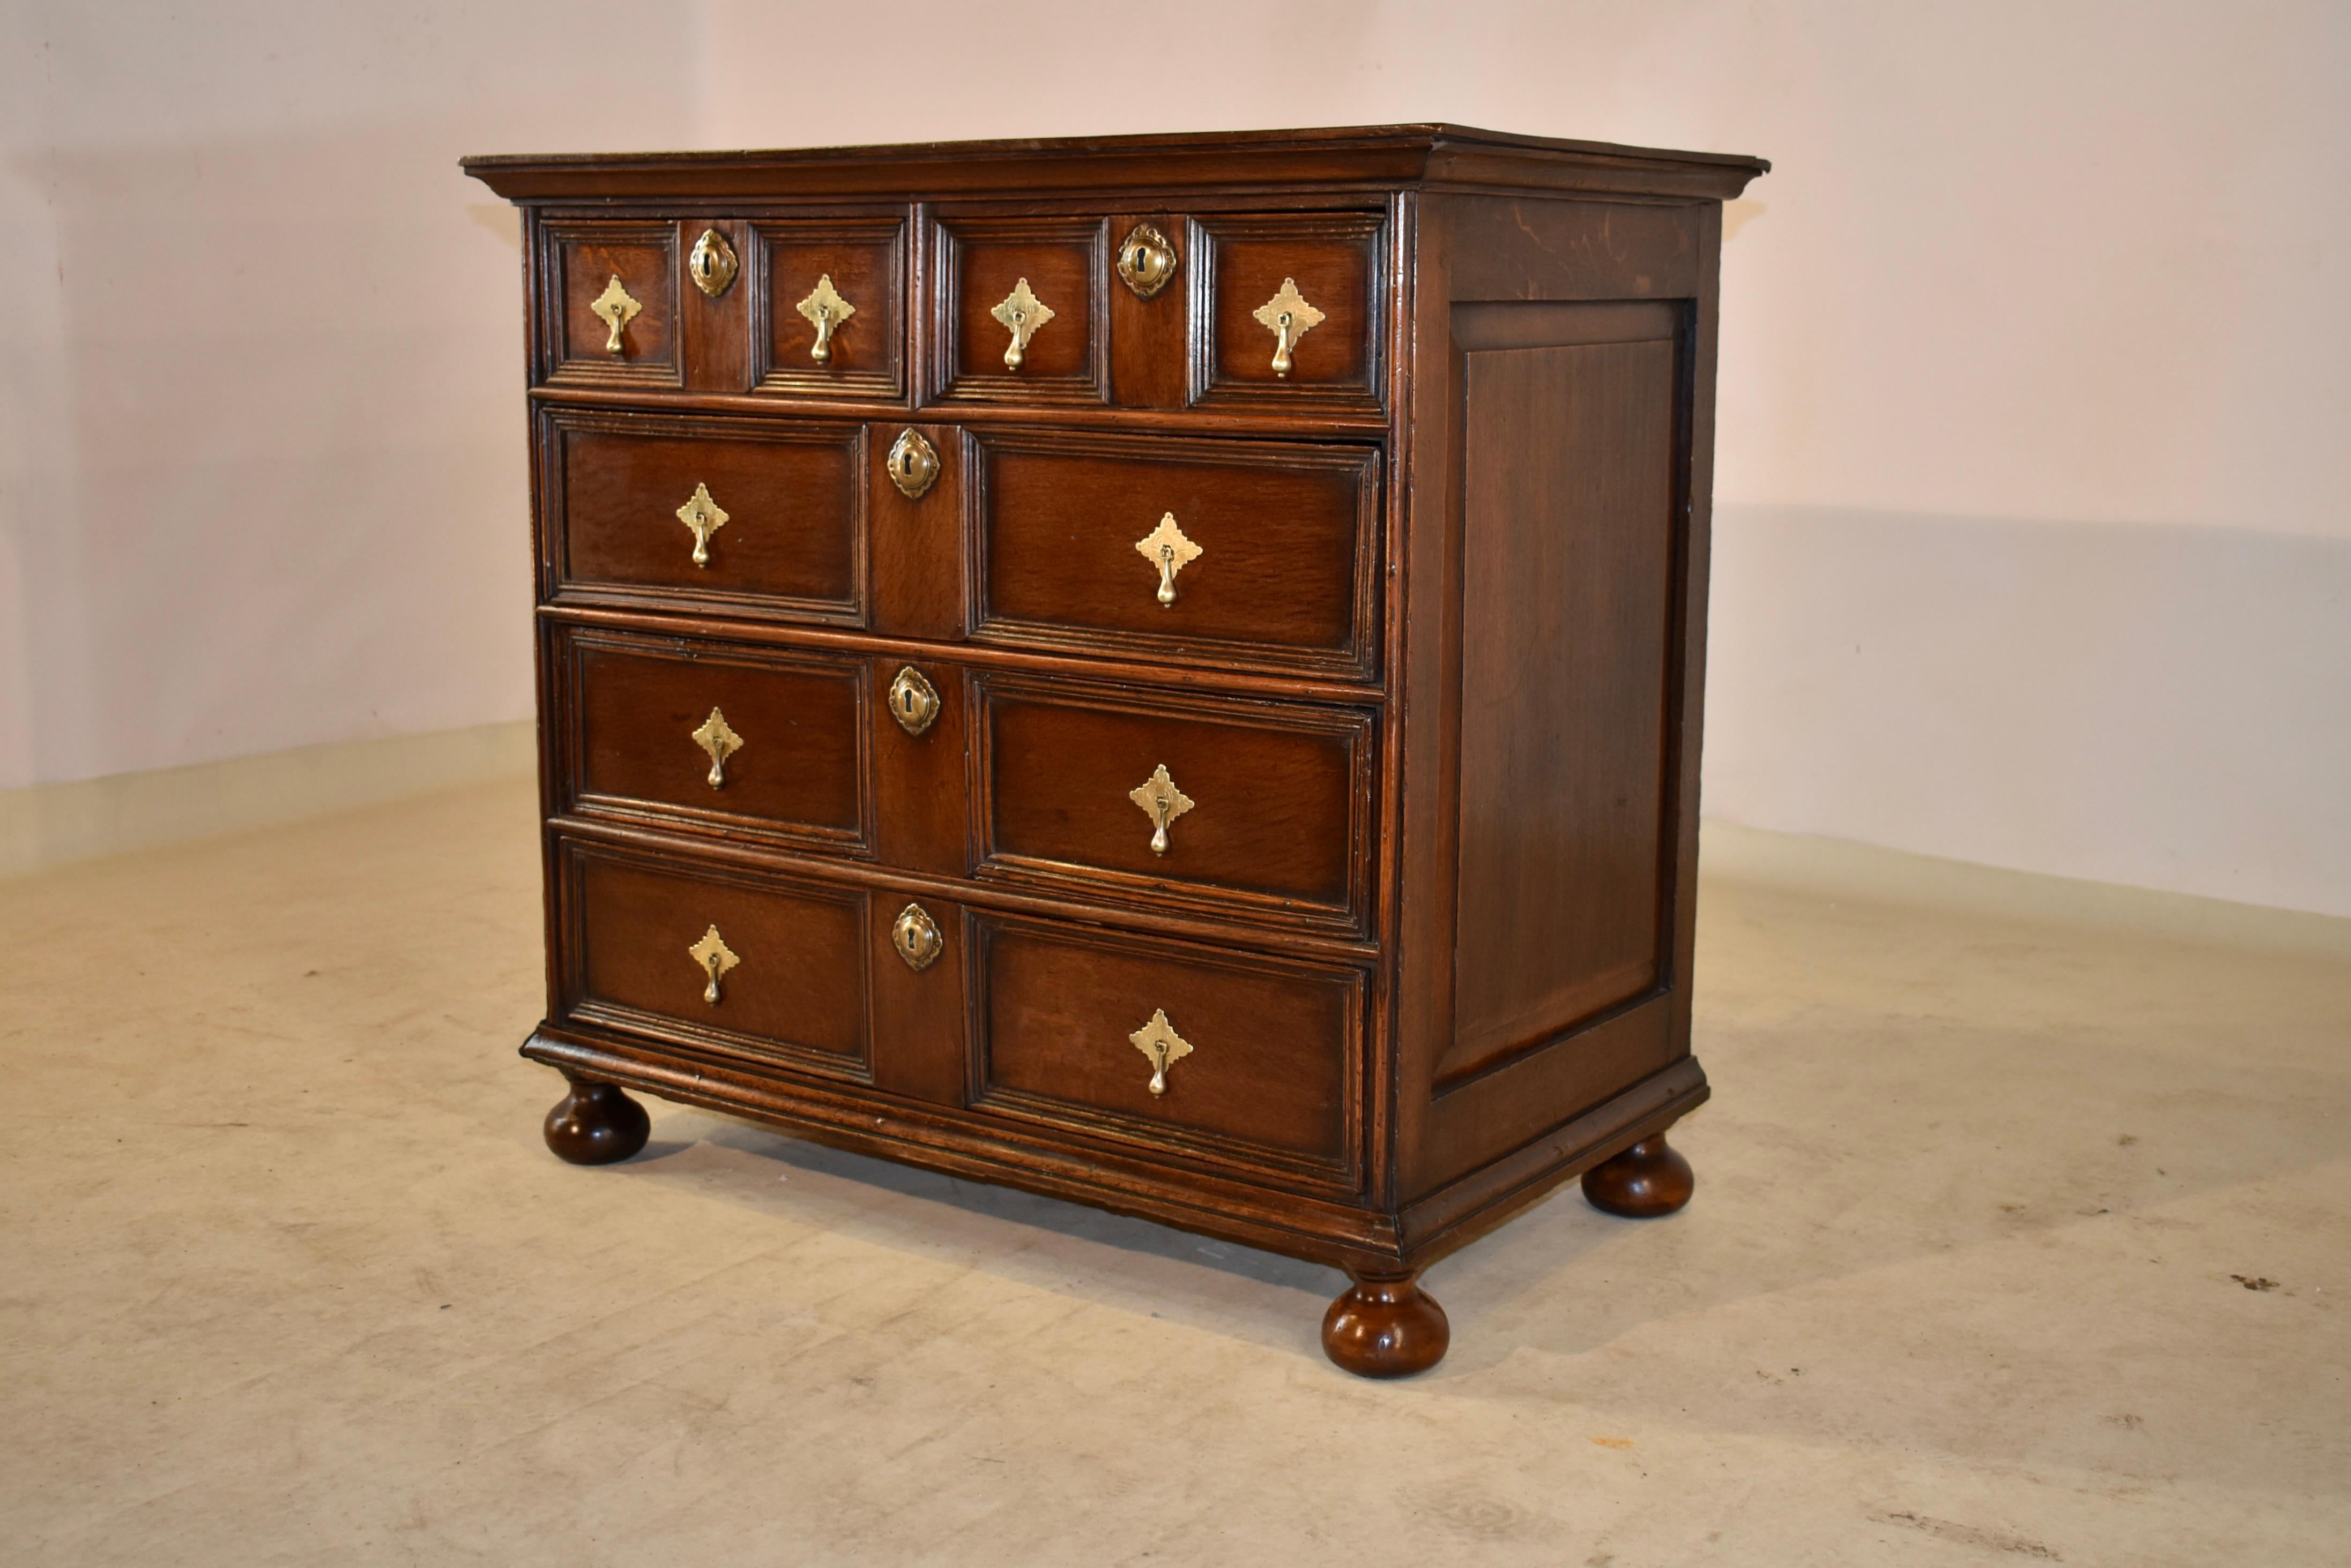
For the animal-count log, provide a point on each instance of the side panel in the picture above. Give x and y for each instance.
(1568, 553)
(1553, 635)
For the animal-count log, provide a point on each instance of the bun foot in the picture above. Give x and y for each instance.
(1646, 1182)
(1385, 1328)
(595, 1123)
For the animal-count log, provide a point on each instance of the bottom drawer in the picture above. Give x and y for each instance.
(747, 965)
(1254, 1058)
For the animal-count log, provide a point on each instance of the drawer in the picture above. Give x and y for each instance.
(1256, 1057)
(1270, 558)
(774, 510)
(749, 740)
(1250, 270)
(639, 940)
(1258, 809)
(833, 296)
(1051, 272)
(612, 303)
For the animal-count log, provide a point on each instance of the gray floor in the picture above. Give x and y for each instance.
(2022, 1231)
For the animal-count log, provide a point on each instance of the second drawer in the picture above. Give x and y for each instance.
(1255, 553)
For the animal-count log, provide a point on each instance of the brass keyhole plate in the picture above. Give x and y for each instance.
(1146, 261)
(712, 264)
(914, 465)
(913, 701)
(917, 938)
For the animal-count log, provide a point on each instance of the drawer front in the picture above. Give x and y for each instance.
(642, 940)
(750, 740)
(1250, 270)
(1270, 558)
(774, 510)
(1216, 806)
(611, 303)
(981, 266)
(1255, 1057)
(834, 294)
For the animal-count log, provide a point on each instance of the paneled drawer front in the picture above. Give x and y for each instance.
(740, 963)
(1325, 271)
(1261, 553)
(611, 303)
(750, 740)
(834, 292)
(1255, 1057)
(991, 277)
(774, 510)
(1222, 805)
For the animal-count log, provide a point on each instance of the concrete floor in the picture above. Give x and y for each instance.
(287, 1277)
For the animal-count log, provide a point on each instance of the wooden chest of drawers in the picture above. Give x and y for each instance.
(1165, 671)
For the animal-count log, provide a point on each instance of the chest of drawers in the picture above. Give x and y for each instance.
(1162, 670)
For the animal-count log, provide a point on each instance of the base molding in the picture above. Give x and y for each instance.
(1365, 1241)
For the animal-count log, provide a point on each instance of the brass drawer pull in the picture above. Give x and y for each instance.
(914, 465)
(712, 264)
(702, 514)
(1167, 548)
(616, 309)
(825, 310)
(1021, 313)
(712, 953)
(917, 938)
(913, 701)
(1162, 802)
(1146, 262)
(1158, 1041)
(719, 738)
(1288, 318)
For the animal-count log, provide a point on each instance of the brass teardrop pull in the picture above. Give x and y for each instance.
(1288, 318)
(1021, 313)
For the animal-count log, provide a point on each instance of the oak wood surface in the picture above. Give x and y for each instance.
(1286, 577)
(1273, 1044)
(801, 769)
(866, 260)
(1278, 825)
(1434, 687)
(792, 493)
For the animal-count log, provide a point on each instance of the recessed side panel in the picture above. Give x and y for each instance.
(1571, 514)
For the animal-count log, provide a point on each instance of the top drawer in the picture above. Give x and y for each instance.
(1272, 312)
(797, 307)
(1279, 312)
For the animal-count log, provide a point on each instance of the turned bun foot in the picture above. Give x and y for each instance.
(1645, 1181)
(595, 1123)
(1385, 1328)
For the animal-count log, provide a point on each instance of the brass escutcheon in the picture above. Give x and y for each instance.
(1167, 548)
(1288, 318)
(701, 514)
(1146, 262)
(917, 938)
(1021, 313)
(616, 310)
(825, 310)
(1158, 1041)
(913, 701)
(1162, 802)
(712, 264)
(914, 465)
(719, 738)
(712, 953)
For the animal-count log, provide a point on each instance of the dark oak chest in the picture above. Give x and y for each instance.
(1162, 670)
